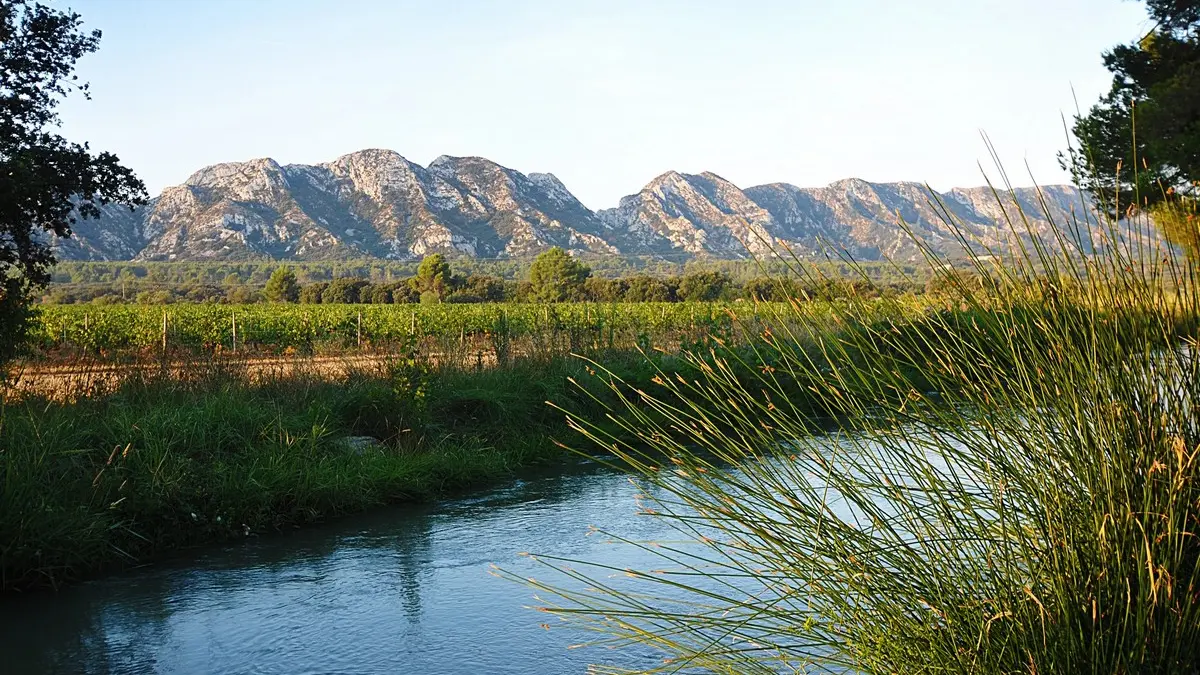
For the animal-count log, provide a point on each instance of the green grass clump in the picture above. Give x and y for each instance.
(165, 463)
(1011, 484)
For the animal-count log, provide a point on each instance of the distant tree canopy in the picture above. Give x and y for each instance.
(48, 181)
(1140, 144)
(557, 277)
(433, 278)
(311, 294)
(282, 286)
(460, 280)
(704, 286)
(645, 288)
(344, 290)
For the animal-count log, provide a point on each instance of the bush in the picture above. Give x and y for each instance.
(596, 289)
(241, 295)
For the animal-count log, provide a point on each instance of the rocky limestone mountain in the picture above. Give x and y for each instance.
(864, 219)
(116, 235)
(695, 214)
(373, 203)
(376, 203)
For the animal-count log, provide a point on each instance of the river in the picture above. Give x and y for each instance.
(403, 589)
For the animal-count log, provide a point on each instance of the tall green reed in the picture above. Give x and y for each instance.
(1010, 484)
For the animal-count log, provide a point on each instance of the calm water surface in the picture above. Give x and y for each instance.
(399, 590)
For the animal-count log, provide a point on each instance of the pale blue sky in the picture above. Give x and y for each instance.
(604, 94)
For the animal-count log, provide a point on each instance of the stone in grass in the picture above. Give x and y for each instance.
(360, 445)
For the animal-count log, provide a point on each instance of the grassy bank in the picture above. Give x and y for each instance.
(172, 459)
(165, 463)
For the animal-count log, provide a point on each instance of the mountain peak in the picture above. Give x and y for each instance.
(373, 156)
(668, 177)
(444, 160)
(851, 183)
(218, 173)
(714, 177)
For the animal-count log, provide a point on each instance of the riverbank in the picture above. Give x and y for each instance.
(166, 463)
(172, 459)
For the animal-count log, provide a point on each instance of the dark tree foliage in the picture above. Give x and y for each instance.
(645, 288)
(703, 286)
(312, 293)
(478, 288)
(380, 295)
(46, 182)
(433, 277)
(403, 292)
(1140, 145)
(596, 289)
(557, 276)
(343, 290)
(282, 286)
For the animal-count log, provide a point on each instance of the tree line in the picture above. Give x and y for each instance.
(554, 276)
(257, 272)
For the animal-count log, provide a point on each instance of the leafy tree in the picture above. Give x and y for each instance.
(764, 289)
(782, 289)
(282, 286)
(645, 288)
(557, 277)
(1155, 93)
(604, 290)
(202, 294)
(48, 182)
(433, 276)
(343, 290)
(484, 287)
(241, 295)
(365, 292)
(521, 291)
(703, 286)
(311, 294)
(380, 295)
(404, 292)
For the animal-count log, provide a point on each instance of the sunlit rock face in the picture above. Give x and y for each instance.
(376, 203)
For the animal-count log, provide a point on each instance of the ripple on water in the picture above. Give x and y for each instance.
(396, 590)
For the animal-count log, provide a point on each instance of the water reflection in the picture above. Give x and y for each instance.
(398, 590)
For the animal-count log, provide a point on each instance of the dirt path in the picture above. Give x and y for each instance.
(81, 379)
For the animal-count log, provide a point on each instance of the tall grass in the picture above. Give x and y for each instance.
(1011, 485)
(171, 460)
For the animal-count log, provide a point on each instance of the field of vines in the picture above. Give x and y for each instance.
(267, 328)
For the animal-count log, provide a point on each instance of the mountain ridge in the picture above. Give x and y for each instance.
(376, 203)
